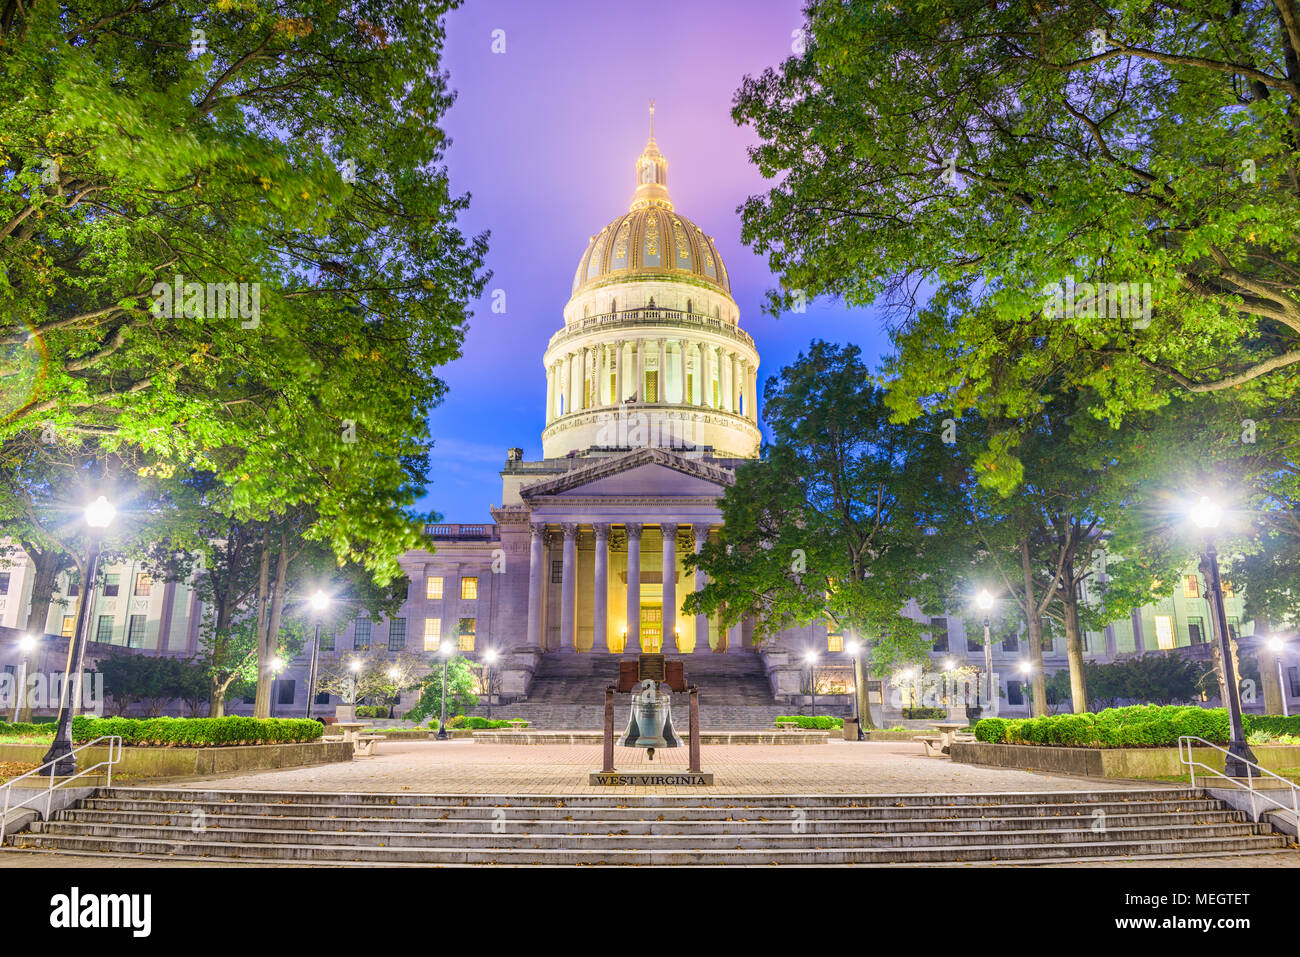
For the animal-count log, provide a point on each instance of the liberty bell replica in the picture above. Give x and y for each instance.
(650, 724)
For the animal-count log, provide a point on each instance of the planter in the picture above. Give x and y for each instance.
(145, 763)
(345, 712)
(1110, 762)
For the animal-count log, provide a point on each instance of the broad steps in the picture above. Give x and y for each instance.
(360, 829)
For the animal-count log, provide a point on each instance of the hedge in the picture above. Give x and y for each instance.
(198, 732)
(20, 729)
(371, 711)
(473, 722)
(819, 722)
(1136, 726)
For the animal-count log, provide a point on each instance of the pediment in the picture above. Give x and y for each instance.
(650, 473)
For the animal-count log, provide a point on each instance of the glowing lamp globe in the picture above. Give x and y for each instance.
(100, 512)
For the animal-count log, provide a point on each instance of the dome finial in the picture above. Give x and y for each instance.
(651, 173)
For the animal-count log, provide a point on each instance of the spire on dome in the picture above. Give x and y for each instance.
(651, 173)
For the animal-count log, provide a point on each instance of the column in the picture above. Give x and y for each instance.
(668, 532)
(618, 372)
(699, 375)
(701, 621)
(583, 370)
(662, 392)
(599, 623)
(600, 374)
(536, 579)
(735, 638)
(640, 370)
(706, 397)
(568, 383)
(550, 394)
(737, 371)
(753, 393)
(681, 371)
(568, 586)
(633, 586)
(742, 385)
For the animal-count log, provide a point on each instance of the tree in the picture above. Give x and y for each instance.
(997, 152)
(292, 162)
(461, 698)
(381, 677)
(825, 525)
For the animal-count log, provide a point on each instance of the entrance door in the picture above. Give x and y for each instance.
(652, 628)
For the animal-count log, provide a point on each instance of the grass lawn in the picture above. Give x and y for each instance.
(26, 738)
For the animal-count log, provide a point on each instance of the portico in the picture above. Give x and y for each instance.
(605, 559)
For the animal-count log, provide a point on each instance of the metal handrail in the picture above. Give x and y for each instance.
(1250, 778)
(114, 755)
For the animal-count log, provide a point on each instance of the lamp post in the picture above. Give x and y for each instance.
(26, 643)
(859, 691)
(1027, 669)
(99, 515)
(319, 602)
(1277, 645)
(354, 666)
(489, 659)
(1206, 515)
(445, 650)
(276, 665)
(394, 675)
(811, 658)
(985, 602)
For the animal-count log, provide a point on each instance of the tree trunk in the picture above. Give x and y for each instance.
(1034, 622)
(861, 674)
(266, 647)
(1073, 637)
(47, 563)
(262, 700)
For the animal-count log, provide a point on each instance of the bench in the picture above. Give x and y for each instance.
(933, 744)
(365, 744)
(333, 737)
(517, 724)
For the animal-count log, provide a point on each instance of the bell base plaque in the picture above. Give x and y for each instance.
(639, 779)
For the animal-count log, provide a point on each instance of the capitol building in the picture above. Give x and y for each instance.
(650, 386)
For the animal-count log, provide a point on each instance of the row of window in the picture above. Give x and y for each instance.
(362, 631)
(468, 587)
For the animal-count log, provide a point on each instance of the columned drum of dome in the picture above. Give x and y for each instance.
(651, 352)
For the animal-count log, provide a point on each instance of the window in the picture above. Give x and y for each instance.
(432, 633)
(361, 634)
(1011, 642)
(939, 632)
(1293, 679)
(467, 634)
(288, 688)
(834, 642)
(1226, 585)
(143, 585)
(557, 573)
(1234, 628)
(974, 642)
(469, 588)
(1191, 586)
(111, 585)
(1014, 694)
(74, 585)
(69, 623)
(135, 632)
(327, 641)
(4, 583)
(397, 634)
(652, 386)
(323, 697)
(433, 587)
(104, 630)
(1164, 631)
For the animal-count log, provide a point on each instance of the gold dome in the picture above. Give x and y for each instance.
(651, 240)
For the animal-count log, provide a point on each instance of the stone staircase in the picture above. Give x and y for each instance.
(568, 693)
(619, 828)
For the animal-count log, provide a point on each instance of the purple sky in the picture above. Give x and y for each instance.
(544, 138)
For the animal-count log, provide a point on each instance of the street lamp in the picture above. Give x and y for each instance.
(859, 691)
(26, 643)
(985, 602)
(811, 658)
(394, 675)
(60, 760)
(910, 674)
(445, 650)
(1027, 669)
(489, 659)
(319, 602)
(276, 665)
(1277, 645)
(1206, 515)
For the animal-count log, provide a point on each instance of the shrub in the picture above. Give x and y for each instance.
(991, 730)
(921, 714)
(1272, 723)
(819, 722)
(197, 732)
(371, 711)
(24, 729)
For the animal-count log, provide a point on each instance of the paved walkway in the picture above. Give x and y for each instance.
(464, 767)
